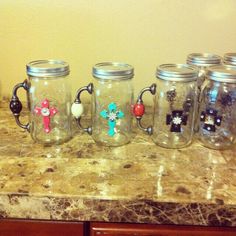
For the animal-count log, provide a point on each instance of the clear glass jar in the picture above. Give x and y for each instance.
(202, 61)
(218, 108)
(112, 99)
(174, 105)
(49, 101)
(230, 59)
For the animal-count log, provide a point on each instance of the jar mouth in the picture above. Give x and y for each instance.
(203, 59)
(222, 73)
(113, 71)
(177, 72)
(47, 68)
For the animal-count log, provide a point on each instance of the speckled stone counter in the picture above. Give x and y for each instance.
(138, 183)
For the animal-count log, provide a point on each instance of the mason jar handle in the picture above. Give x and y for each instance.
(77, 108)
(139, 108)
(16, 105)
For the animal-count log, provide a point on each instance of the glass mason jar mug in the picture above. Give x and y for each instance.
(112, 98)
(174, 105)
(218, 108)
(49, 100)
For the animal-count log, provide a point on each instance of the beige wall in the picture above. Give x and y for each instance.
(144, 33)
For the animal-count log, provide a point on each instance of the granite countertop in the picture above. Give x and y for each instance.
(138, 183)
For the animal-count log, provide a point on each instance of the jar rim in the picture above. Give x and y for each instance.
(230, 58)
(47, 68)
(222, 73)
(113, 71)
(177, 72)
(203, 59)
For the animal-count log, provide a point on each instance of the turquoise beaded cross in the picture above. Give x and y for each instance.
(112, 115)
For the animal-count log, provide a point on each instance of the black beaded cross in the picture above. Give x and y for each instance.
(210, 119)
(176, 119)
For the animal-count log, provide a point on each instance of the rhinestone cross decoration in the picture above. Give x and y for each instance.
(46, 113)
(210, 119)
(176, 119)
(112, 115)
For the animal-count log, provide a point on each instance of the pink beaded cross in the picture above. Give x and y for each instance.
(46, 113)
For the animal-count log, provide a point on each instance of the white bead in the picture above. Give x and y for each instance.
(77, 109)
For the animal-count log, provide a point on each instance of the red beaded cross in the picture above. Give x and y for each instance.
(47, 113)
